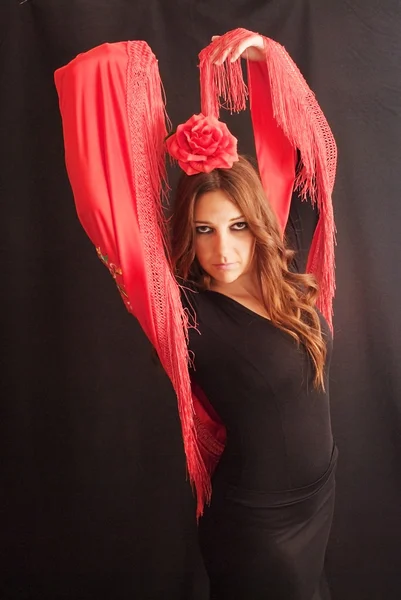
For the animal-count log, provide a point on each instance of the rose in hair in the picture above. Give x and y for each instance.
(203, 144)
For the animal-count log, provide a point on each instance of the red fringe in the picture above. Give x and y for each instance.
(299, 115)
(147, 118)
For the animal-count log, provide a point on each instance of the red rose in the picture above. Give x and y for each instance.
(203, 144)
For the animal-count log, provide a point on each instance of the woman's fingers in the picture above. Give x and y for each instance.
(219, 55)
(251, 48)
(253, 44)
(222, 57)
(239, 50)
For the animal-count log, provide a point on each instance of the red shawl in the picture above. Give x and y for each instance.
(114, 126)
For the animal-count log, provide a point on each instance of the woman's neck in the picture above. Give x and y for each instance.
(247, 285)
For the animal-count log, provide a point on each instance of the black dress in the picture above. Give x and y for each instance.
(265, 534)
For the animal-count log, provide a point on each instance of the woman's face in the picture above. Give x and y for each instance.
(224, 245)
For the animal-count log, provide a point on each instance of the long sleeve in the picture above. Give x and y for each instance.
(108, 189)
(275, 153)
(278, 92)
(114, 129)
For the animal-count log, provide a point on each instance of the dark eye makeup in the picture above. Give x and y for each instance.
(205, 229)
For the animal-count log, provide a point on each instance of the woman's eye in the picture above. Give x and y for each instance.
(203, 229)
(240, 226)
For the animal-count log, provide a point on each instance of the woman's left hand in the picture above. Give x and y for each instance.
(251, 48)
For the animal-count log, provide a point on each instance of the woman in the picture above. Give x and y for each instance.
(261, 356)
(259, 348)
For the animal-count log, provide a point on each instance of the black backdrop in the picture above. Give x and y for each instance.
(94, 501)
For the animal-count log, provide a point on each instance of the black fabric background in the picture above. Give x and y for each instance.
(94, 497)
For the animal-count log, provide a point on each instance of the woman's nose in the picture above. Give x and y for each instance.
(222, 244)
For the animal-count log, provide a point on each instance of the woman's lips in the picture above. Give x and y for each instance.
(225, 266)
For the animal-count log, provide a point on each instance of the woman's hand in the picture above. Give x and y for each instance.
(251, 48)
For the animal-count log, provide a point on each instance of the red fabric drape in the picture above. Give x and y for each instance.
(114, 128)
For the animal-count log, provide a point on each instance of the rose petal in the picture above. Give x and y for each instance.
(211, 150)
(172, 146)
(187, 168)
(196, 157)
(195, 118)
(207, 149)
(199, 167)
(183, 138)
(218, 134)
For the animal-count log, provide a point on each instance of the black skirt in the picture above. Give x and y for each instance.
(268, 546)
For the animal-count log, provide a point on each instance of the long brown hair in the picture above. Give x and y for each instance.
(289, 298)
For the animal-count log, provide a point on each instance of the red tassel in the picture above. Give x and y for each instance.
(222, 81)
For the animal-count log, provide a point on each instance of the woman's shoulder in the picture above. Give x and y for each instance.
(326, 331)
(197, 301)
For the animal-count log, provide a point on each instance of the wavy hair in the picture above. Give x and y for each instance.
(289, 298)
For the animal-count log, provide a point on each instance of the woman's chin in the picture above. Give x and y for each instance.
(226, 278)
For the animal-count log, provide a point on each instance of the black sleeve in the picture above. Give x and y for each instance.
(299, 232)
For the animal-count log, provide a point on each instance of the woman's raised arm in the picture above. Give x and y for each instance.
(294, 144)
